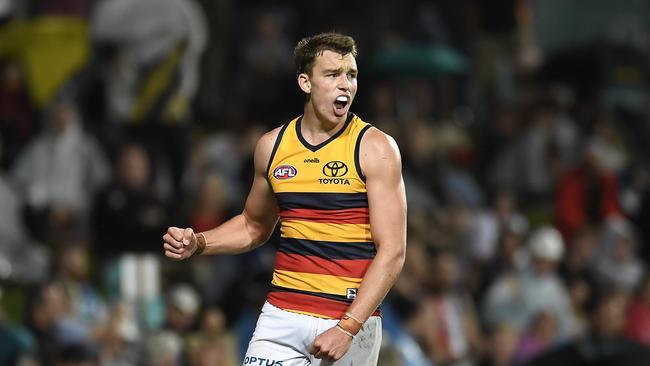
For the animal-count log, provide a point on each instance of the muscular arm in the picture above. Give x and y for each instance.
(243, 232)
(381, 164)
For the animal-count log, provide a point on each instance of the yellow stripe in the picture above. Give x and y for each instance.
(308, 313)
(326, 231)
(321, 283)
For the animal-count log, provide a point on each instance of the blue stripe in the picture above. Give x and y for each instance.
(322, 201)
(328, 249)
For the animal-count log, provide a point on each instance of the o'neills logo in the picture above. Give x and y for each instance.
(284, 172)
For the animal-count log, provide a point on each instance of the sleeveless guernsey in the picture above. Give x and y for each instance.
(325, 245)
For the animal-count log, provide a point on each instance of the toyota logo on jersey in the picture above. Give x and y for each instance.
(284, 172)
(335, 169)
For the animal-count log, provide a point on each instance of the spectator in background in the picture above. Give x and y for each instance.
(76, 355)
(87, 307)
(224, 154)
(182, 308)
(637, 321)
(45, 309)
(498, 151)
(183, 305)
(448, 323)
(617, 265)
(587, 194)
(609, 146)
(636, 201)
(59, 172)
(22, 259)
(496, 233)
(120, 339)
(604, 344)
(16, 114)
(518, 297)
(582, 294)
(501, 346)
(211, 205)
(540, 336)
(546, 149)
(130, 206)
(163, 348)
(581, 253)
(501, 216)
(17, 344)
(212, 344)
(210, 208)
(267, 63)
(511, 257)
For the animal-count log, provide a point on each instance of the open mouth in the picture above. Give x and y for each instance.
(340, 103)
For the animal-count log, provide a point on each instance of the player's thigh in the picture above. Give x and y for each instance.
(281, 338)
(265, 353)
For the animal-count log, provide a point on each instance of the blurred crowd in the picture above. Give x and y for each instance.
(526, 169)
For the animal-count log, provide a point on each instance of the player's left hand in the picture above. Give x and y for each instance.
(330, 345)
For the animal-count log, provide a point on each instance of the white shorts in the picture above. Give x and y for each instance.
(282, 338)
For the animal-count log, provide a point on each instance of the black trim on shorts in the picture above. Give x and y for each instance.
(357, 146)
(275, 148)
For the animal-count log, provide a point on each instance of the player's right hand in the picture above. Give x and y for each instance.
(179, 243)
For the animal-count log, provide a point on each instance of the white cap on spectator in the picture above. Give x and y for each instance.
(546, 243)
(185, 298)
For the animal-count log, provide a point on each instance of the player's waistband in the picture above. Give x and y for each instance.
(310, 303)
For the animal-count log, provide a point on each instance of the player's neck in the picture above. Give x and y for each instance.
(316, 129)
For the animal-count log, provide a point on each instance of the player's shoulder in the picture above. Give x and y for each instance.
(269, 138)
(379, 154)
(376, 141)
(266, 142)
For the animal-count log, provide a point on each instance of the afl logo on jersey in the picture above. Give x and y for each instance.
(335, 169)
(284, 172)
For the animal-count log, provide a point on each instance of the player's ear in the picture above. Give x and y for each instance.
(304, 83)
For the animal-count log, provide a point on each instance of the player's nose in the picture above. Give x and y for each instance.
(344, 82)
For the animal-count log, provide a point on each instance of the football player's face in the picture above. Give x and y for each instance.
(332, 85)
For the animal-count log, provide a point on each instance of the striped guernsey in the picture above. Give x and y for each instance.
(325, 245)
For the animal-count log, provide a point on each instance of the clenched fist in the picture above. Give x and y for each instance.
(179, 243)
(330, 345)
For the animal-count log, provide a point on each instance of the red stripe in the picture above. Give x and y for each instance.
(359, 215)
(354, 268)
(311, 304)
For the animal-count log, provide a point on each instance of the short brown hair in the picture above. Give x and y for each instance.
(310, 47)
